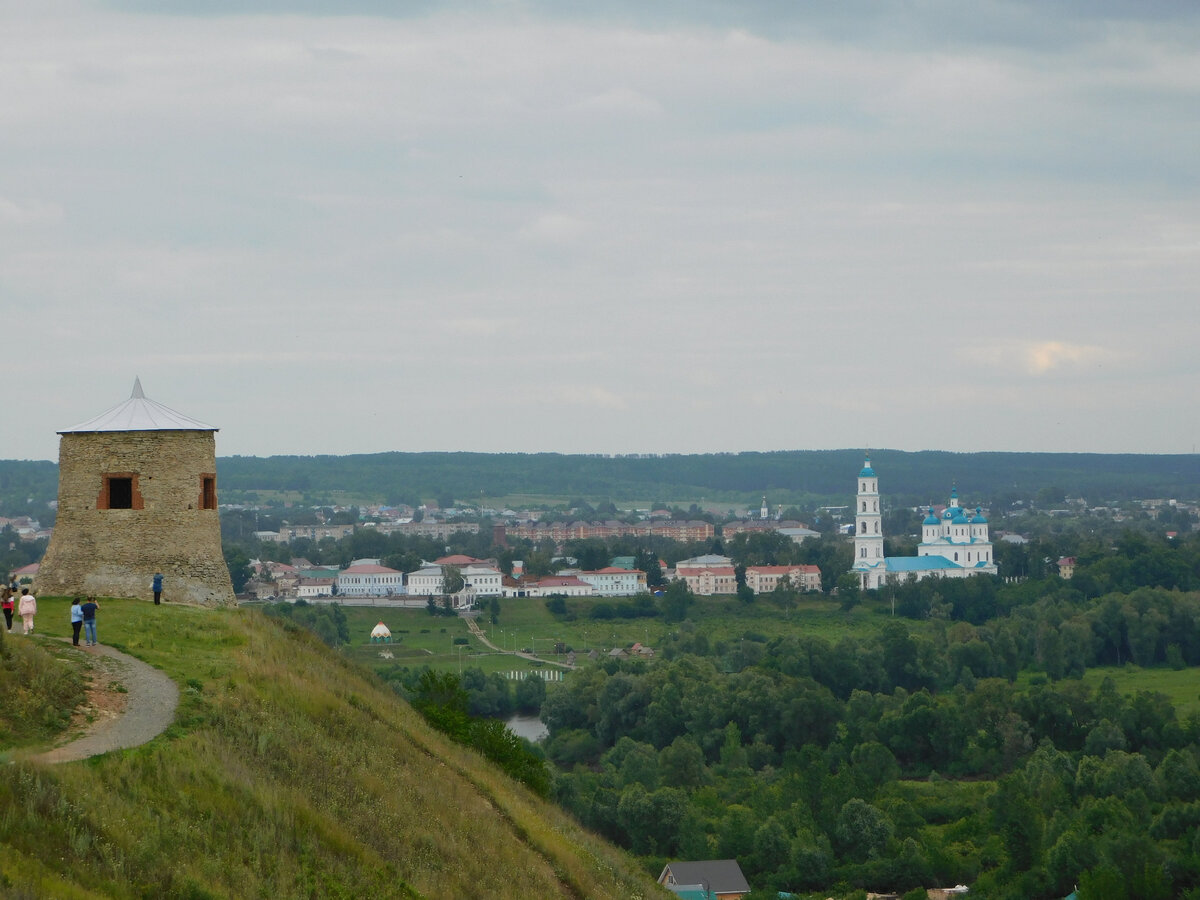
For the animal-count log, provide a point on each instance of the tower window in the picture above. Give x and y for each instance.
(120, 493)
(208, 491)
(119, 490)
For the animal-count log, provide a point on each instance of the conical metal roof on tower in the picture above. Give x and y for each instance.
(139, 413)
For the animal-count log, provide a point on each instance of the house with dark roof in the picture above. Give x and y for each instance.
(713, 879)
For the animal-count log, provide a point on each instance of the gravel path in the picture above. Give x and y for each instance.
(149, 708)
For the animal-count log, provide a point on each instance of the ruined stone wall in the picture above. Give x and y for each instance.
(115, 552)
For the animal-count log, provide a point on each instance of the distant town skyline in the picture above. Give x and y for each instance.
(332, 228)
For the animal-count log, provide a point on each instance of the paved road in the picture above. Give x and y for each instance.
(149, 709)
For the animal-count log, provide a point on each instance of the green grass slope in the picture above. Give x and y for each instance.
(288, 773)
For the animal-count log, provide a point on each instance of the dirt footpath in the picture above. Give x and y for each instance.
(119, 719)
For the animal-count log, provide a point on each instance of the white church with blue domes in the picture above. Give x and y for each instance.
(953, 545)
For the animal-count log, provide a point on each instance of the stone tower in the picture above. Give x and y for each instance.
(137, 494)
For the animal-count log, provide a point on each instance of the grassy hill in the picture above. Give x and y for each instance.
(288, 773)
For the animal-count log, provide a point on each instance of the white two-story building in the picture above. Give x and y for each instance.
(369, 579)
(614, 582)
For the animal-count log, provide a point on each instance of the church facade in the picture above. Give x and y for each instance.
(954, 544)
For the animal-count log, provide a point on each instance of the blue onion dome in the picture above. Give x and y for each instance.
(979, 518)
(867, 471)
(931, 519)
(959, 519)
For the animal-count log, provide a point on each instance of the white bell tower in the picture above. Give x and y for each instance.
(868, 522)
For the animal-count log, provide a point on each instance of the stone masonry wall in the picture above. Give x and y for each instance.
(115, 552)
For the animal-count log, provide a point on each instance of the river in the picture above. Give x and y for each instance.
(529, 727)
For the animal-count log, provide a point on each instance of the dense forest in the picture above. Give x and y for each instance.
(925, 475)
(995, 479)
(958, 742)
(953, 731)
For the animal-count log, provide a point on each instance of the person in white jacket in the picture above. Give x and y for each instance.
(28, 609)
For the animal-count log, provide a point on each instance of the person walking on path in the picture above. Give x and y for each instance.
(7, 601)
(89, 620)
(157, 587)
(28, 609)
(76, 620)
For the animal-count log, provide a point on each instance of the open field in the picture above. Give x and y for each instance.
(419, 639)
(1181, 685)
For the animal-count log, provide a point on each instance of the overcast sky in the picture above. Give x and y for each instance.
(344, 227)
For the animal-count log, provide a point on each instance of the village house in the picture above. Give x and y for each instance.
(713, 879)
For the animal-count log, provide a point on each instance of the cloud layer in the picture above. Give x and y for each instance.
(692, 227)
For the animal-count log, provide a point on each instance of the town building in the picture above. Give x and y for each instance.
(707, 575)
(425, 582)
(482, 580)
(312, 588)
(25, 574)
(954, 544)
(764, 579)
(430, 528)
(289, 533)
(366, 578)
(561, 586)
(615, 582)
(560, 532)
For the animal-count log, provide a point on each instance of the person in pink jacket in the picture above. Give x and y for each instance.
(28, 609)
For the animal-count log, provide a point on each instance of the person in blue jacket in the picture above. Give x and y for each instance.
(89, 608)
(157, 587)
